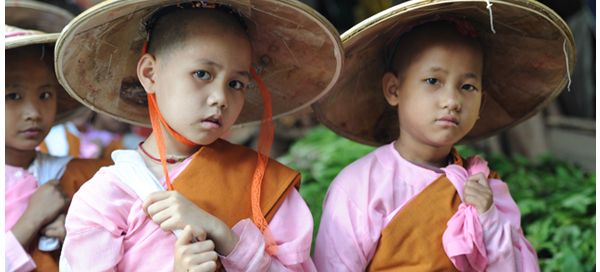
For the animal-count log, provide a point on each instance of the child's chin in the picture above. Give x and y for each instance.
(206, 140)
(29, 145)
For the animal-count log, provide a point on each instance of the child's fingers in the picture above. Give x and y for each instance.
(160, 216)
(475, 188)
(200, 258)
(170, 224)
(472, 199)
(479, 178)
(185, 237)
(156, 206)
(153, 198)
(204, 267)
(56, 232)
(200, 234)
(201, 246)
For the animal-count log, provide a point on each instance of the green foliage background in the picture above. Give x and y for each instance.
(556, 199)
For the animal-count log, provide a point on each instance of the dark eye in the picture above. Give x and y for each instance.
(469, 88)
(203, 75)
(13, 96)
(46, 95)
(236, 85)
(432, 81)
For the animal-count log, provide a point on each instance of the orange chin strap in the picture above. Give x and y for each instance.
(156, 119)
(265, 141)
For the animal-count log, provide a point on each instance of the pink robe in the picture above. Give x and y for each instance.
(19, 186)
(368, 193)
(107, 230)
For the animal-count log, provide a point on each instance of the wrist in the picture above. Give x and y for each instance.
(224, 238)
(25, 229)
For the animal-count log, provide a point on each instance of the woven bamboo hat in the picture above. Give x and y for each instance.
(528, 62)
(31, 23)
(297, 53)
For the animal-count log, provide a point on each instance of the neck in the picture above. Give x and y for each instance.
(423, 154)
(20, 158)
(172, 146)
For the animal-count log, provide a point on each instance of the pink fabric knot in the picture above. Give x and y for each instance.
(463, 237)
(463, 240)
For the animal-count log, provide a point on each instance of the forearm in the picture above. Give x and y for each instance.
(26, 228)
(225, 239)
(249, 254)
(506, 246)
(291, 229)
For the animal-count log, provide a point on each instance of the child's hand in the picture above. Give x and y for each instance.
(44, 205)
(477, 192)
(47, 202)
(194, 256)
(173, 211)
(56, 229)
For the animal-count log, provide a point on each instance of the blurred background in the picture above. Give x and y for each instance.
(547, 161)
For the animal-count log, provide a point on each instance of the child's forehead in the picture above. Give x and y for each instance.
(418, 43)
(29, 62)
(32, 53)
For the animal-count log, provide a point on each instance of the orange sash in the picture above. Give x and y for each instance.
(77, 173)
(219, 177)
(412, 241)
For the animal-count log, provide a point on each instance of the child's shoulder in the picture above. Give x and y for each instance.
(106, 186)
(365, 168)
(380, 158)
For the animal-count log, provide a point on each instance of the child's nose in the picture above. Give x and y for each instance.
(31, 111)
(452, 100)
(218, 97)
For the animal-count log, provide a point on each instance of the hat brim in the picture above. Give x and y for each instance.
(298, 54)
(527, 62)
(66, 106)
(27, 14)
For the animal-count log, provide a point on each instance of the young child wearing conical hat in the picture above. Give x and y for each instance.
(37, 186)
(201, 71)
(419, 78)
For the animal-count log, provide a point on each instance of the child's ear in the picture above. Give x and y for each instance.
(146, 69)
(391, 87)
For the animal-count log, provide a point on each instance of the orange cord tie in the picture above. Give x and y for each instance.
(156, 119)
(265, 140)
(160, 142)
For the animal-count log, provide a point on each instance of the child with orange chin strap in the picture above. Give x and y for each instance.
(184, 179)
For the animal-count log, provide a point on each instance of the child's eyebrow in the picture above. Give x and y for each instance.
(435, 69)
(245, 73)
(12, 85)
(471, 75)
(220, 67)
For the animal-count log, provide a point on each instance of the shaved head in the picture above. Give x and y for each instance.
(171, 30)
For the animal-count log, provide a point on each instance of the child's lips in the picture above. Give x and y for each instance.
(447, 121)
(31, 132)
(212, 122)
